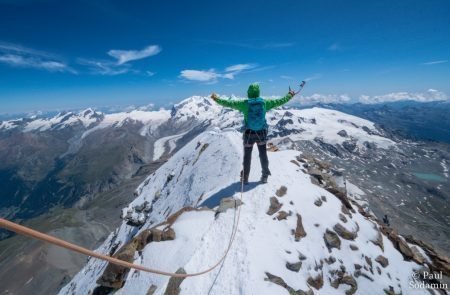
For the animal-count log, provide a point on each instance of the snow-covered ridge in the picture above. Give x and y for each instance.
(293, 234)
(318, 125)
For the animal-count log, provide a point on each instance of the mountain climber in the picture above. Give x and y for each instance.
(255, 126)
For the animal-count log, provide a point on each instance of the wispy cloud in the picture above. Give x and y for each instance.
(124, 56)
(335, 47)
(435, 62)
(200, 75)
(429, 95)
(313, 77)
(278, 45)
(256, 44)
(18, 56)
(239, 67)
(212, 75)
(104, 67)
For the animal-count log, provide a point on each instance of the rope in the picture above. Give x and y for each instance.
(23, 230)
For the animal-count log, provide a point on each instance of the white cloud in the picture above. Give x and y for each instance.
(322, 98)
(212, 76)
(435, 62)
(105, 68)
(239, 67)
(150, 73)
(18, 56)
(124, 56)
(201, 76)
(429, 95)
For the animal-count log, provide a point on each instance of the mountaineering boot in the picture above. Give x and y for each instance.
(244, 178)
(264, 178)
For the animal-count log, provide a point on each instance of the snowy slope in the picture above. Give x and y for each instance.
(203, 172)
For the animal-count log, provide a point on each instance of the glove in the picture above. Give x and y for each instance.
(214, 96)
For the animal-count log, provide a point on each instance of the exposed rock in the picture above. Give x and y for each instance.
(281, 191)
(343, 133)
(282, 215)
(114, 275)
(156, 235)
(295, 162)
(382, 260)
(369, 262)
(301, 256)
(299, 230)
(330, 260)
(417, 255)
(274, 206)
(316, 282)
(357, 266)
(280, 282)
(151, 290)
(359, 273)
(439, 261)
(294, 266)
(344, 233)
(173, 287)
(331, 240)
(168, 234)
(378, 270)
(341, 196)
(379, 241)
(345, 210)
(342, 217)
(323, 198)
(318, 202)
(354, 247)
(350, 280)
(228, 203)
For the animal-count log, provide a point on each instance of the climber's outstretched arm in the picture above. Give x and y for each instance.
(230, 103)
(273, 103)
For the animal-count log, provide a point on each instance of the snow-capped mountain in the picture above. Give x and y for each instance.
(298, 234)
(81, 159)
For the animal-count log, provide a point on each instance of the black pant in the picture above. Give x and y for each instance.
(260, 138)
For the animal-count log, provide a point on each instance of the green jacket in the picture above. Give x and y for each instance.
(242, 105)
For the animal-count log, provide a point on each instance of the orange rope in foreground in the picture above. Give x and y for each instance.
(23, 230)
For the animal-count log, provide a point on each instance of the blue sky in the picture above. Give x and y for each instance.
(61, 54)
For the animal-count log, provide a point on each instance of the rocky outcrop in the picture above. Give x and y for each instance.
(331, 240)
(228, 203)
(294, 266)
(281, 191)
(344, 233)
(173, 287)
(316, 282)
(346, 280)
(114, 275)
(280, 282)
(438, 263)
(282, 215)
(275, 205)
(299, 230)
(383, 261)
